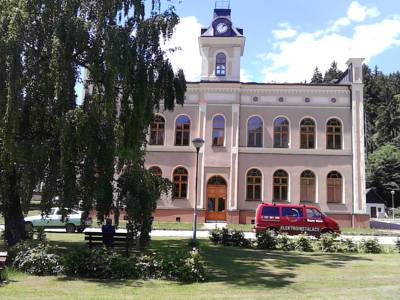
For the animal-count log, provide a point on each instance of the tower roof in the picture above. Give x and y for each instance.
(221, 25)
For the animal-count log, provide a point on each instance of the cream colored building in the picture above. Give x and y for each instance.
(284, 143)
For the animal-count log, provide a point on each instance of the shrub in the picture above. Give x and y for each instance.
(216, 236)
(192, 268)
(266, 240)
(100, 263)
(38, 261)
(151, 266)
(348, 245)
(3, 275)
(329, 243)
(225, 237)
(303, 243)
(104, 264)
(371, 246)
(285, 243)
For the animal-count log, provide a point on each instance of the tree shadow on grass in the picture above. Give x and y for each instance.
(239, 266)
(242, 267)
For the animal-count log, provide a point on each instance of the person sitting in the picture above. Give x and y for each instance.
(108, 231)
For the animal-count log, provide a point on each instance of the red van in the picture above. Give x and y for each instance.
(294, 219)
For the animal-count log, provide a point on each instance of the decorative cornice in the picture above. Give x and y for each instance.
(284, 90)
(279, 151)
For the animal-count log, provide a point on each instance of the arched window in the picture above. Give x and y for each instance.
(334, 134)
(255, 132)
(307, 134)
(156, 171)
(334, 187)
(218, 130)
(182, 131)
(281, 185)
(281, 133)
(254, 179)
(307, 186)
(220, 65)
(180, 183)
(157, 131)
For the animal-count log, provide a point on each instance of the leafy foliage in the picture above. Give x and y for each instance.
(104, 264)
(229, 238)
(84, 155)
(38, 260)
(370, 246)
(383, 170)
(266, 240)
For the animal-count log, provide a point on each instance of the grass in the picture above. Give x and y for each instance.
(234, 274)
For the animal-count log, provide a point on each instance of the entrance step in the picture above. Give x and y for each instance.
(213, 225)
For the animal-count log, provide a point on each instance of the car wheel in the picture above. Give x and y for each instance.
(70, 228)
(28, 227)
(80, 229)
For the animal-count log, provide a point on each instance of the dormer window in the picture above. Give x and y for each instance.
(220, 66)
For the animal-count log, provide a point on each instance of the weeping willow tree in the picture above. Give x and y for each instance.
(92, 155)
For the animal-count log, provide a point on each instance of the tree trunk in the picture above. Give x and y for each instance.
(13, 216)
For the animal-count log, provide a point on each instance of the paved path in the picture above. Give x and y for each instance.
(384, 240)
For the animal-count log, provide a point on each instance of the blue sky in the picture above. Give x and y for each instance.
(286, 39)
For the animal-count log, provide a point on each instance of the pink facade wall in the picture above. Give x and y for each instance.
(234, 159)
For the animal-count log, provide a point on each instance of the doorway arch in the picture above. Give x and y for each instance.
(216, 199)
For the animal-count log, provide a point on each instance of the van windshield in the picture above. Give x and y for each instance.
(270, 211)
(312, 213)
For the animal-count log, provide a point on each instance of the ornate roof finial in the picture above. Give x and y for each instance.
(222, 4)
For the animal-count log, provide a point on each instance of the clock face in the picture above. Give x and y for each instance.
(222, 27)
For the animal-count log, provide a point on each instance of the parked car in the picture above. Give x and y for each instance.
(54, 220)
(294, 219)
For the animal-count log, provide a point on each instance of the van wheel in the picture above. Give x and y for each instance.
(273, 230)
(326, 231)
(70, 228)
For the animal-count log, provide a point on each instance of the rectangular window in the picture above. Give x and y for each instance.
(292, 212)
(270, 211)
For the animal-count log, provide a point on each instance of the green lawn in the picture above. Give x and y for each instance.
(234, 274)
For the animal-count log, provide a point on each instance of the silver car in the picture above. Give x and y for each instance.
(54, 220)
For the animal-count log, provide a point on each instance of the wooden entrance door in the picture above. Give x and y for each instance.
(216, 199)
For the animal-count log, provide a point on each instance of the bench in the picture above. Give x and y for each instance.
(120, 240)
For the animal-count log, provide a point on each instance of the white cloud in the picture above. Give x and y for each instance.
(294, 61)
(359, 13)
(355, 13)
(245, 77)
(284, 33)
(188, 57)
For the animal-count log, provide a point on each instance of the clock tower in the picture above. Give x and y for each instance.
(221, 47)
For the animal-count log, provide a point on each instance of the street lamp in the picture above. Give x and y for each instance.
(392, 192)
(197, 143)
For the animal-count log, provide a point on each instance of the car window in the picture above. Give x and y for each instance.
(61, 211)
(312, 213)
(292, 212)
(74, 212)
(270, 211)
